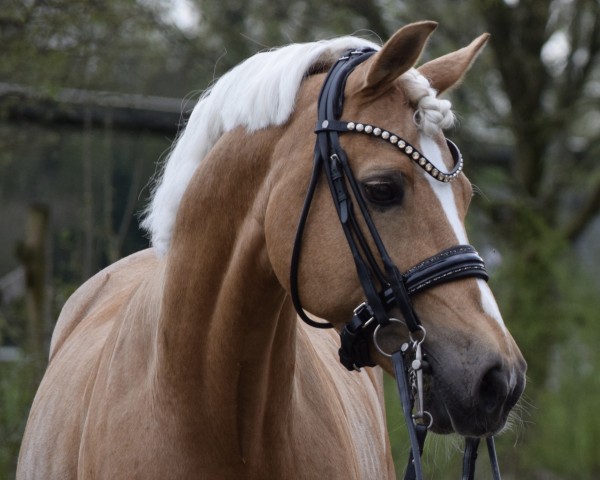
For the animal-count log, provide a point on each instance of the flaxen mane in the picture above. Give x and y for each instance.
(258, 93)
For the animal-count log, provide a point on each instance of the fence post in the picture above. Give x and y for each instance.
(32, 253)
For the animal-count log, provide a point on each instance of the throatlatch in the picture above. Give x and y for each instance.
(384, 288)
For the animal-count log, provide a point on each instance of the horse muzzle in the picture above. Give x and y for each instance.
(473, 400)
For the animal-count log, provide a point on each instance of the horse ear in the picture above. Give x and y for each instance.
(445, 72)
(398, 54)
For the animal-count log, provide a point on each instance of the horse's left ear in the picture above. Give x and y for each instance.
(398, 54)
(445, 72)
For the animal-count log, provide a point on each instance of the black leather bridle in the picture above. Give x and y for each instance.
(384, 286)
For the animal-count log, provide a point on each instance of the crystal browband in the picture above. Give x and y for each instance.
(403, 146)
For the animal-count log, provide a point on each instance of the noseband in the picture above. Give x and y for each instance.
(384, 288)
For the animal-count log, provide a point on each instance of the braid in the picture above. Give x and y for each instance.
(433, 114)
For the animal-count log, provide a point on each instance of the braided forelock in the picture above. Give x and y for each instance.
(433, 113)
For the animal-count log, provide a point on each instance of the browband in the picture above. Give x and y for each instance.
(404, 146)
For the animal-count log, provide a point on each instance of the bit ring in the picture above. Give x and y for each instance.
(424, 333)
(376, 342)
(422, 416)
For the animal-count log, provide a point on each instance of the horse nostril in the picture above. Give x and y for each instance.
(493, 390)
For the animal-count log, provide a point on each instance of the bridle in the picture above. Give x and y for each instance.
(384, 286)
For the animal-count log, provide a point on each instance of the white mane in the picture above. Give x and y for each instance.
(258, 93)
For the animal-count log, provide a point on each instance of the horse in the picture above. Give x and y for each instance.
(188, 359)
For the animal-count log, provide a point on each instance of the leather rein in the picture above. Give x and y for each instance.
(384, 288)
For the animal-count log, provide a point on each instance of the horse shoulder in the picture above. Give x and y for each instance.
(352, 400)
(59, 414)
(98, 291)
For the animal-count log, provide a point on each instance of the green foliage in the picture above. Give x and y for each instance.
(530, 288)
(17, 389)
(566, 431)
(554, 318)
(119, 45)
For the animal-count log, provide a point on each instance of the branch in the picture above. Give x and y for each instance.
(22, 18)
(577, 73)
(69, 106)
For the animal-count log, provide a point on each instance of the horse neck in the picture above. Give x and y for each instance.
(227, 329)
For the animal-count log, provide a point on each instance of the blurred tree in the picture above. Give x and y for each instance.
(546, 54)
(119, 45)
(542, 95)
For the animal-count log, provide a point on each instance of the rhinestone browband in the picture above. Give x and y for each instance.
(403, 145)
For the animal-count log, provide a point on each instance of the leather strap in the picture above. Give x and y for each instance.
(469, 458)
(451, 264)
(294, 291)
(493, 458)
(413, 470)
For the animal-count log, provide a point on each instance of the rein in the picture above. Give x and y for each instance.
(384, 286)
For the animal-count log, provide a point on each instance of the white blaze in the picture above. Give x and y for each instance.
(445, 195)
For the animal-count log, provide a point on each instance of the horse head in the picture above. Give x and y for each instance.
(417, 198)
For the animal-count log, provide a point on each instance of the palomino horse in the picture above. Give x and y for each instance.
(188, 360)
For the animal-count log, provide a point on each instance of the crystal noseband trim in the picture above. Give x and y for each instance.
(405, 147)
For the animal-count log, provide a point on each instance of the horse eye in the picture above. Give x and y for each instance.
(383, 192)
